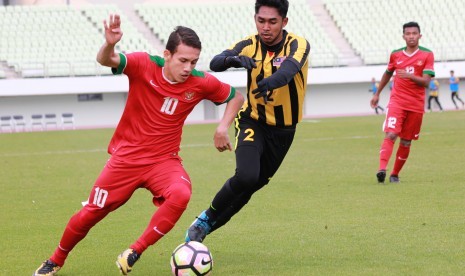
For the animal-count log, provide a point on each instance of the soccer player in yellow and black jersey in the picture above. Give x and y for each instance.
(277, 65)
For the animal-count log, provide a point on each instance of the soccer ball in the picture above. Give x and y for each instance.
(191, 259)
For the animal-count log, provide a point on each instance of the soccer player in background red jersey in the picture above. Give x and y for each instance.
(144, 148)
(413, 66)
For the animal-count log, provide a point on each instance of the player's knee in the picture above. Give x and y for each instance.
(180, 194)
(391, 136)
(247, 177)
(85, 219)
(243, 182)
(405, 143)
(262, 182)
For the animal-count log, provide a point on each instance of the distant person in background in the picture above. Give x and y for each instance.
(145, 146)
(454, 89)
(414, 68)
(433, 94)
(374, 89)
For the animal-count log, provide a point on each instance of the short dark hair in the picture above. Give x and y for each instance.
(411, 24)
(185, 36)
(281, 5)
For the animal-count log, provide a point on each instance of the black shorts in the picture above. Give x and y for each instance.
(272, 144)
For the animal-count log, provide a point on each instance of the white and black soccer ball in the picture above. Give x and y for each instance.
(191, 259)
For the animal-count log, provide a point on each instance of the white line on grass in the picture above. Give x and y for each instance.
(58, 152)
(62, 152)
(364, 137)
(337, 138)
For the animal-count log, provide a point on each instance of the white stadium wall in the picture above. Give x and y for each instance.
(337, 91)
(332, 90)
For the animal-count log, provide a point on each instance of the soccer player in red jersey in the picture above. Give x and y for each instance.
(144, 148)
(413, 66)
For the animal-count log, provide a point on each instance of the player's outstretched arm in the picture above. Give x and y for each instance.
(106, 56)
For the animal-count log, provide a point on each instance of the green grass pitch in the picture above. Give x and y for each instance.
(322, 214)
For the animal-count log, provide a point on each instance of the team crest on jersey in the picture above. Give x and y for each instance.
(420, 63)
(278, 60)
(188, 96)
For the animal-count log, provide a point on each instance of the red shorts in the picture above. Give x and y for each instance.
(406, 124)
(118, 181)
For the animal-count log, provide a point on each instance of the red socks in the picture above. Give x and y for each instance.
(161, 223)
(385, 153)
(401, 158)
(77, 228)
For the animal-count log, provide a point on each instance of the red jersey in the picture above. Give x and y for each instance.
(151, 125)
(406, 94)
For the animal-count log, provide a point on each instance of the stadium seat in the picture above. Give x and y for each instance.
(50, 120)
(217, 34)
(372, 28)
(67, 119)
(59, 69)
(6, 123)
(19, 123)
(374, 34)
(53, 29)
(37, 121)
(133, 40)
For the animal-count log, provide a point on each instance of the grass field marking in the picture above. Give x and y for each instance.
(197, 145)
(311, 121)
(62, 152)
(356, 137)
(337, 138)
(58, 152)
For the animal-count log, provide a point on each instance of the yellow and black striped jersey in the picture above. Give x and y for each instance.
(285, 103)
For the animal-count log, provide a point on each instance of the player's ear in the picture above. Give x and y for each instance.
(285, 19)
(166, 54)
